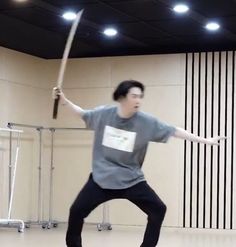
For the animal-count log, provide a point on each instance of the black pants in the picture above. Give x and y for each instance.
(92, 195)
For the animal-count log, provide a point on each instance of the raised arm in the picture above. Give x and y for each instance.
(183, 134)
(65, 102)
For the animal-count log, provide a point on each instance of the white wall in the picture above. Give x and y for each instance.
(24, 99)
(26, 84)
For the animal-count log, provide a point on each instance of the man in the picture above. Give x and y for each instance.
(122, 134)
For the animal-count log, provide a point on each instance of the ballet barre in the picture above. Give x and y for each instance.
(8, 222)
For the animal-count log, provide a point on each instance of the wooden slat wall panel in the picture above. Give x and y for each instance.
(209, 174)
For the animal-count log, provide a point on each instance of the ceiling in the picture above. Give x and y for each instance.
(145, 27)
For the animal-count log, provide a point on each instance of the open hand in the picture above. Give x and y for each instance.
(216, 140)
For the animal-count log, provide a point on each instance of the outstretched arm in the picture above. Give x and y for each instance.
(183, 134)
(65, 102)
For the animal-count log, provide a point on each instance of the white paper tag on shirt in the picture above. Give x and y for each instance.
(119, 139)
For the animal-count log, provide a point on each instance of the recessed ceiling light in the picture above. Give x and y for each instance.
(20, 1)
(110, 32)
(181, 8)
(212, 26)
(69, 15)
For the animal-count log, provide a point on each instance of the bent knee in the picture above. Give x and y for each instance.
(163, 208)
(79, 211)
(159, 212)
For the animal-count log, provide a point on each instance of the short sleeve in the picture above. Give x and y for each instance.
(162, 131)
(92, 117)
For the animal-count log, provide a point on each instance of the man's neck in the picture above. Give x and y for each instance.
(123, 113)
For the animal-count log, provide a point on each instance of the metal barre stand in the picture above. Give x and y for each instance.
(51, 222)
(12, 175)
(39, 213)
(104, 225)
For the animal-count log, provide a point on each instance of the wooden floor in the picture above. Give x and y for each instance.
(119, 236)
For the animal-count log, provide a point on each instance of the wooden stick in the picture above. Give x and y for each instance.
(65, 59)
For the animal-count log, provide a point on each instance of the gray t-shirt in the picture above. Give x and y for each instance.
(120, 145)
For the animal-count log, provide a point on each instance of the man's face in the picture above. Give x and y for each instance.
(132, 101)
